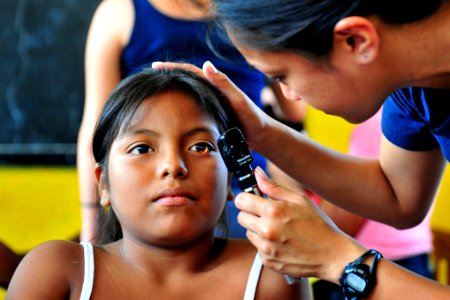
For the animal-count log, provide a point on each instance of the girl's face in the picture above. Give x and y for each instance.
(338, 88)
(167, 182)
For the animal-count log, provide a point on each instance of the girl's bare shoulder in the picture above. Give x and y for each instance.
(57, 249)
(240, 248)
(51, 269)
(63, 258)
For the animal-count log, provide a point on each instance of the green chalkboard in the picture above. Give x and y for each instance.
(42, 76)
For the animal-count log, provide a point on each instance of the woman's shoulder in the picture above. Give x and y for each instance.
(115, 16)
(115, 5)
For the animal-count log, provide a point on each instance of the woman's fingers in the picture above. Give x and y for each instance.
(224, 84)
(173, 65)
(210, 72)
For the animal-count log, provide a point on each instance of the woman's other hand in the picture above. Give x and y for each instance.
(292, 235)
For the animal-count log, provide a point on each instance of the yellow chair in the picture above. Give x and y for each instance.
(38, 204)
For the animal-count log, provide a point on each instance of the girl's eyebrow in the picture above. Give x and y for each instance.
(196, 130)
(191, 132)
(136, 131)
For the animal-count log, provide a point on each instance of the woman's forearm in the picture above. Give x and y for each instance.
(395, 282)
(359, 185)
(87, 186)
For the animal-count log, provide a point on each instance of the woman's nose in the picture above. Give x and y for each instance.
(289, 93)
(172, 165)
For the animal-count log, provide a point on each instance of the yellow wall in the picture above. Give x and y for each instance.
(331, 131)
(38, 204)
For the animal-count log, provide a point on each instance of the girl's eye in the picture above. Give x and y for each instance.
(141, 149)
(203, 147)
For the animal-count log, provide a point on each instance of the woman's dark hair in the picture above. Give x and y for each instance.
(306, 26)
(120, 108)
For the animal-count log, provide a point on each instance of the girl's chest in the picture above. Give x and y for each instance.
(227, 281)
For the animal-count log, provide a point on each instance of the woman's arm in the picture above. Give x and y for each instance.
(106, 38)
(348, 222)
(395, 282)
(398, 189)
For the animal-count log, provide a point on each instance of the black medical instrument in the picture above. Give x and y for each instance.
(238, 159)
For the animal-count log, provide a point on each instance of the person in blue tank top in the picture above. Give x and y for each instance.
(126, 36)
(346, 58)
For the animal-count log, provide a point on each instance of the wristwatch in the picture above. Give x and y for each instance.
(358, 279)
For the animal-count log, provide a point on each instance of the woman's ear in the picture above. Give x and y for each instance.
(358, 37)
(102, 187)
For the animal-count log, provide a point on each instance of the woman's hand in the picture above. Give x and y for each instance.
(253, 120)
(292, 235)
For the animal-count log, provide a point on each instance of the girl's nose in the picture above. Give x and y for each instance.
(173, 165)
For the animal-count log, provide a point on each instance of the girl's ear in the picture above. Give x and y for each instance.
(357, 37)
(230, 195)
(102, 187)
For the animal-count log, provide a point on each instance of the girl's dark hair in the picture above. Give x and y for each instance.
(306, 26)
(120, 109)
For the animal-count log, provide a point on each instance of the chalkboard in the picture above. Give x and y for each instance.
(42, 77)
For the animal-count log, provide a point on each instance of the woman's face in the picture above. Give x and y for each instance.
(167, 182)
(334, 88)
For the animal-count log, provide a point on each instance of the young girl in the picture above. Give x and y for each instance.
(163, 188)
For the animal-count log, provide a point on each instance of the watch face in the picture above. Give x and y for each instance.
(356, 282)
